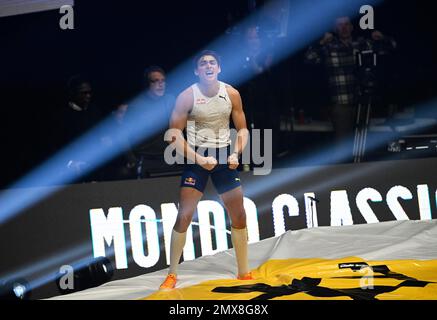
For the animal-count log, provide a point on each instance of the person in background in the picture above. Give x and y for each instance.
(153, 109)
(78, 116)
(337, 52)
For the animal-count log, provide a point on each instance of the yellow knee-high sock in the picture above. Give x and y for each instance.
(176, 247)
(239, 241)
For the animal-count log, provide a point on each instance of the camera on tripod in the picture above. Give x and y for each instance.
(367, 83)
(366, 62)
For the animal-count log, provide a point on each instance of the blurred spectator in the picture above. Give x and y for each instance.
(259, 95)
(258, 57)
(153, 109)
(348, 84)
(123, 166)
(76, 118)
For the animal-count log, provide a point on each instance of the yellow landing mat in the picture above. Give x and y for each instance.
(349, 278)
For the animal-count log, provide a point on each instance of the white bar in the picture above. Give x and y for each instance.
(15, 7)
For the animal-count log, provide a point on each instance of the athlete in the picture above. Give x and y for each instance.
(204, 110)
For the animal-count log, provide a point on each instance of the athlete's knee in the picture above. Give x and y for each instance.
(239, 220)
(183, 221)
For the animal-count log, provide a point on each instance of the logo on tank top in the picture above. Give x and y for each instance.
(200, 101)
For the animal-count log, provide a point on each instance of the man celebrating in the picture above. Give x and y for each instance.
(204, 110)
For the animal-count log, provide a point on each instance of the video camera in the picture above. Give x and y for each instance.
(366, 62)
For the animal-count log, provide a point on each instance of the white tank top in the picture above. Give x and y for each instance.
(208, 121)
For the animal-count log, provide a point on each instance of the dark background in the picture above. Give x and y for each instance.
(113, 41)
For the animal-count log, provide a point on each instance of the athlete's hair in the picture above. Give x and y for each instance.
(202, 53)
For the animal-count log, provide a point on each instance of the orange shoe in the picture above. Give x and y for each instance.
(247, 276)
(169, 282)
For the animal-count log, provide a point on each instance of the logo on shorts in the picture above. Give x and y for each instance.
(190, 181)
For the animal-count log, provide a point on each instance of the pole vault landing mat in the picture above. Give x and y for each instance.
(349, 278)
(385, 261)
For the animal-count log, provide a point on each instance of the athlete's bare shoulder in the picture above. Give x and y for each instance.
(183, 106)
(187, 94)
(235, 97)
(232, 91)
(185, 99)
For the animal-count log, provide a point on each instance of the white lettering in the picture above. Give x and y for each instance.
(67, 280)
(265, 160)
(281, 201)
(311, 209)
(204, 208)
(362, 197)
(151, 237)
(252, 220)
(169, 213)
(105, 229)
(66, 21)
(340, 210)
(424, 202)
(392, 201)
(367, 281)
(368, 20)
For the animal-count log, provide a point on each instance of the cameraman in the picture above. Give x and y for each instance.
(338, 55)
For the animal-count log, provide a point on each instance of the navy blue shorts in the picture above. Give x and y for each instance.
(223, 178)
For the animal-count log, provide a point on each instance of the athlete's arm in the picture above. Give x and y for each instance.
(239, 120)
